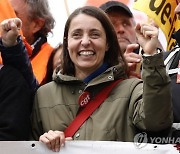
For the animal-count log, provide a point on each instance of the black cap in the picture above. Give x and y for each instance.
(110, 5)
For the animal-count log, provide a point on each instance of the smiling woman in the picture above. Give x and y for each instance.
(92, 64)
(87, 45)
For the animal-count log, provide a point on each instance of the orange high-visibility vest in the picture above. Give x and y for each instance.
(39, 62)
(6, 10)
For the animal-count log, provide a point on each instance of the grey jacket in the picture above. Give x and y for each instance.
(131, 105)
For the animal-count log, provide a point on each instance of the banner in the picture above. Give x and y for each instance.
(85, 147)
(162, 12)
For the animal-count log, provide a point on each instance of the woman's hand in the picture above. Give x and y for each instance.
(54, 140)
(10, 31)
(147, 36)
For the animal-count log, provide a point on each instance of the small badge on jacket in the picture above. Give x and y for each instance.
(84, 99)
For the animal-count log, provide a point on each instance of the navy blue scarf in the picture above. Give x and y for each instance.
(96, 73)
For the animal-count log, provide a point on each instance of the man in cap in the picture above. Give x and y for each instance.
(123, 21)
(124, 24)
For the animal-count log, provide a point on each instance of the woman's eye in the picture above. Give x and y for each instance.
(76, 35)
(95, 35)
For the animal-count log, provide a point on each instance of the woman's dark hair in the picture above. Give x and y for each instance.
(113, 55)
(49, 67)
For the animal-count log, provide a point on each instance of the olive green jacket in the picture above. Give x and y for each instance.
(131, 104)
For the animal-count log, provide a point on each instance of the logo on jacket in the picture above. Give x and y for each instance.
(84, 99)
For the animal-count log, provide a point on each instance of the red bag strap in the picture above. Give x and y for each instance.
(89, 109)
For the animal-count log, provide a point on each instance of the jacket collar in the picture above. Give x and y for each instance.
(36, 46)
(100, 70)
(109, 74)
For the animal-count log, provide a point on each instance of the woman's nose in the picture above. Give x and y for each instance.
(85, 41)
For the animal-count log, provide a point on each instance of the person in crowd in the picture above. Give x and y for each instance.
(172, 63)
(15, 91)
(93, 60)
(14, 53)
(53, 62)
(15, 102)
(38, 22)
(124, 23)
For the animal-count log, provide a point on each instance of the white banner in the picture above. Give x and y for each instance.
(86, 147)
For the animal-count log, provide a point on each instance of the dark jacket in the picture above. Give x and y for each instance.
(15, 102)
(175, 86)
(17, 57)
